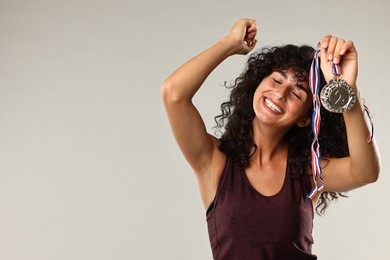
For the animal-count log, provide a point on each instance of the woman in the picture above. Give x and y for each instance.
(254, 181)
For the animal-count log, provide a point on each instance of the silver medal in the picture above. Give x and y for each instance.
(337, 96)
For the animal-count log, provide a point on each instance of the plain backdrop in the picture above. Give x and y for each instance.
(89, 169)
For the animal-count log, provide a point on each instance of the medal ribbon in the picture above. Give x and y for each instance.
(336, 69)
(314, 83)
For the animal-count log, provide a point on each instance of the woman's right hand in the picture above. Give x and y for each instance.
(243, 35)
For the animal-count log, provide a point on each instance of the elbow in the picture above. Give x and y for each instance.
(169, 93)
(376, 170)
(166, 90)
(374, 174)
(373, 178)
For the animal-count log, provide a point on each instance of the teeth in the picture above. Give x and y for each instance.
(271, 105)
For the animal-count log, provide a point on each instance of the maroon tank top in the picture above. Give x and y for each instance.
(245, 225)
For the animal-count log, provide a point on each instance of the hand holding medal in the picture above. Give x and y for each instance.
(338, 56)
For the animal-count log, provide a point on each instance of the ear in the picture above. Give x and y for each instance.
(304, 122)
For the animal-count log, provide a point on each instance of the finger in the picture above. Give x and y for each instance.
(241, 27)
(331, 47)
(326, 67)
(348, 46)
(251, 31)
(252, 26)
(251, 44)
(325, 41)
(249, 22)
(250, 37)
(336, 53)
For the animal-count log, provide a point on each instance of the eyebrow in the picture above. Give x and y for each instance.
(284, 74)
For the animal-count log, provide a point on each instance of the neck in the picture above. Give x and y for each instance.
(270, 143)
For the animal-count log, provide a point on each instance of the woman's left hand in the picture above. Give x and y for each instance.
(342, 53)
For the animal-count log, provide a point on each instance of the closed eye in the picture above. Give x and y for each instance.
(276, 81)
(296, 94)
(299, 92)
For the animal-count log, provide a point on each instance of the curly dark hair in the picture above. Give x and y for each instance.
(235, 121)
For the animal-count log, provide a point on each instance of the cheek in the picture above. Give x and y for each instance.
(307, 109)
(256, 99)
(256, 95)
(299, 107)
(260, 90)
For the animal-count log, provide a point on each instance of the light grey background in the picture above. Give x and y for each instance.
(88, 166)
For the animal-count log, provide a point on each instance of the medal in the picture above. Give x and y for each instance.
(337, 96)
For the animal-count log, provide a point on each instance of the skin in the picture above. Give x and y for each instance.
(277, 109)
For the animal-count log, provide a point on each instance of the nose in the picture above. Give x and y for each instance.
(280, 93)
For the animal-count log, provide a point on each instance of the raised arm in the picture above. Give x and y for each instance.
(179, 88)
(200, 148)
(363, 164)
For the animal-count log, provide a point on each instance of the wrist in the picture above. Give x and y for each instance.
(234, 45)
(229, 45)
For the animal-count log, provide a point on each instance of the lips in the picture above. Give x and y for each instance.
(272, 106)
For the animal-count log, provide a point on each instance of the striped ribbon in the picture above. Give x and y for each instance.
(336, 69)
(314, 82)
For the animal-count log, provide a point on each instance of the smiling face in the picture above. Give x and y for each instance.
(283, 100)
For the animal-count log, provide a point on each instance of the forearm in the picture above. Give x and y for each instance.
(187, 79)
(365, 164)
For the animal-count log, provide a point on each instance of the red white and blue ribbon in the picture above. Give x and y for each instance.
(314, 83)
(336, 69)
